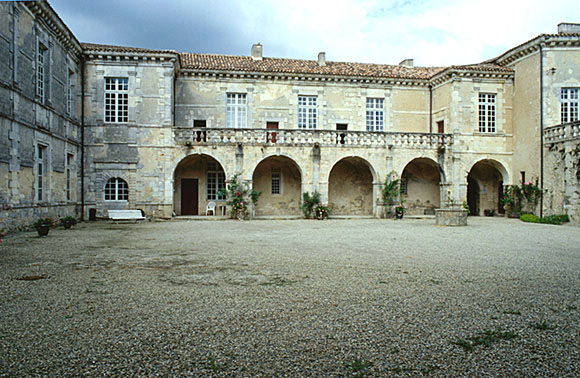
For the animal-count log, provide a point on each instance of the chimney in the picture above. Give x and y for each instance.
(322, 59)
(257, 51)
(568, 28)
(407, 63)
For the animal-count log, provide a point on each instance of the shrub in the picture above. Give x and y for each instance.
(530, 218)
(555, 219)
(68, 222)
(321, 211)
(308, 203)
(44, 222)
(391, 188)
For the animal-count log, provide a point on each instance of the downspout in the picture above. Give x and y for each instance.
(541, 131)
(431, 109)
(82, 137)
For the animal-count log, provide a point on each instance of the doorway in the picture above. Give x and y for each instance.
(189, 196)
(271, 135)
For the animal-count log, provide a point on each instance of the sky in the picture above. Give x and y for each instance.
(432, 32)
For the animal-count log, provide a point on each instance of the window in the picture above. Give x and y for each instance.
(236, 111)
(441, 127)
(486, 113)
(569, 104)
(116, 190)
(116, 100)
(69, 167)
(276, 181)
(69, 92)
(307, 112)
(375, 114)
(216, 181)
(40, 71)
(41, 172)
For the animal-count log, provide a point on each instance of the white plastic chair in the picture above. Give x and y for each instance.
(210, 207)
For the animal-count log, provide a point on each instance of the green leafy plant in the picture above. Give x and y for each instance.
(321, 211)
(255, 196)
(43, 222)
(309, 202)
(68, 221)
(555, 219)
(516, 198)
(466, 207)
(391, 189)
(530, 218)
(237, 198)
(485, 339)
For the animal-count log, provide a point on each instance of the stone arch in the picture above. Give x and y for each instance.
(421, 181)
(197, 179)
(282, 155)
(279, 179)
(485, 181)
(365, 161)
(350, 186)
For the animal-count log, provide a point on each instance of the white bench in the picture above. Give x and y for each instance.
(125, 215)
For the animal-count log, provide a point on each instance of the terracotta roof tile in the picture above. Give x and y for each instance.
(124, 49)
(297, 66)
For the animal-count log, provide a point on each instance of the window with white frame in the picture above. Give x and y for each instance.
(216, 181)
(276, 181)
(41, 172)
(69, 91)
(375, 114)
(569, 104)
(236, 110)
(69, 170)
(41, 60)
(116, 100)
(307, 112)
(486, 113)
(116, 189)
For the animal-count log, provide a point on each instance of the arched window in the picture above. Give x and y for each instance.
(116, 190)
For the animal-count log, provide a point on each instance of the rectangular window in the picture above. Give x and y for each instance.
(307, 112)
(216, 181)
(486, 113)
(236, 110)
(69, 92)
(69, 169)
(41, 60)
(569, 104)
(375, 114)
(116, 100)
(41, 173)
(276, 181)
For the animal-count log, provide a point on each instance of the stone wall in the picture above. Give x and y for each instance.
(29, 120)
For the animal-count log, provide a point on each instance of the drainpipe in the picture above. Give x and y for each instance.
(541, 131)
(82, 137)
(430, 108)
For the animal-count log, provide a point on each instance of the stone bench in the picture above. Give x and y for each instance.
(125, 215)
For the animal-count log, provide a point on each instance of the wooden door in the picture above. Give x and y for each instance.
(189, 194)
(271, 135)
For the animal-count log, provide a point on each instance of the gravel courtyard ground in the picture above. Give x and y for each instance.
(292, 298)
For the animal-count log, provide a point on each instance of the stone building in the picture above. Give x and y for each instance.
(163, 131)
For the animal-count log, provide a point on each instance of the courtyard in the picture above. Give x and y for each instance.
(293, 298)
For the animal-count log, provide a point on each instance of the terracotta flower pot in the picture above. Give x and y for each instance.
(43, 229)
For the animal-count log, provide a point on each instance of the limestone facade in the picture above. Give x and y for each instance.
(163, 131)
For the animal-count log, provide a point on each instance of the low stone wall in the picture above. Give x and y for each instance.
(451, 217)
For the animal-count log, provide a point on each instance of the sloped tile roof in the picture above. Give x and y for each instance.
(296, 66)
(123, 49)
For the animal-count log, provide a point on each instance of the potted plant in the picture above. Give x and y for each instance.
(321, 211)
(399, 211)
(68, 221)
(43, 225)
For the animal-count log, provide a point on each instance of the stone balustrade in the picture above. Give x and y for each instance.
(562, 133)
(299, 137)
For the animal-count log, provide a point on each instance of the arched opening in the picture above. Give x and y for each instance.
(420, 186)
(350, 187)
(197, 181)
(280, 181)
(485, 188)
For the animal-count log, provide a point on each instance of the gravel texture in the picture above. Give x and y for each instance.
(292, 298)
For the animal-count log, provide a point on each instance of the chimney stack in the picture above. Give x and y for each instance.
(568, 28)
(407, 63)
(257, 51)
(322, 59)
